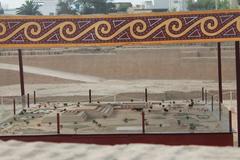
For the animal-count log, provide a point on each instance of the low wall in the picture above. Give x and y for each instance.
(208, 139)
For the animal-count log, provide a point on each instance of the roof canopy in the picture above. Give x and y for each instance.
(129, 29)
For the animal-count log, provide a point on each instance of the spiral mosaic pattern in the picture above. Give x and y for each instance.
(119, 29)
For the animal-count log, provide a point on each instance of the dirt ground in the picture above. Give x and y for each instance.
(121, 70)
(189, 63)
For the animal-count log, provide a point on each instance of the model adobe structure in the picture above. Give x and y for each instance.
(117, 117)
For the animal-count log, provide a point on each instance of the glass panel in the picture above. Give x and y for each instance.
(174, 96)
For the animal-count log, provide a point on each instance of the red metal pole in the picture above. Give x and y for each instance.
(220, 111)
(34, 97)
(238, 87)
(205, 96)
(146, 95)
(220, 73)
(212, 103)
(14, 107)
(21, 77)
(28, 100)
(21, 72)
(90, 96)
(143, 122)
(220, 80)
(230, 121)
(58, 123)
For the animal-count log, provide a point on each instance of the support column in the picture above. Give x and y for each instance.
(238, 88)
(220, 80)
(220, 112)
(21, 76)
(220, 73)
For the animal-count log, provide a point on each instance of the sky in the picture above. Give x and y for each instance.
(17, 3)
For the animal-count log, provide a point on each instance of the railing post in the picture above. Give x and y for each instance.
(143, 122)
(212, 103)
(146, 95)
(14, 107)
(230, 121)
(203, 94)
(90, 96)
(28, 100)
(34, 97)
(206, 97)
(58, 123)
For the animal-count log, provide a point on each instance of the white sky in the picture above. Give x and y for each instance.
(17, 3)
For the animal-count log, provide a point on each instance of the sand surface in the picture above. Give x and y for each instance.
(112, 87)
(50, 73)
(123, 63)
(14, 150)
